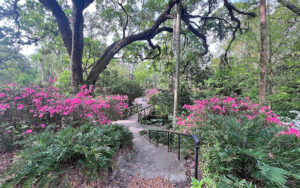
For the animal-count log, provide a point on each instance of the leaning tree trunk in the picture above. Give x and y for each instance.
(77, 46)
(263, 52)
(176, 39)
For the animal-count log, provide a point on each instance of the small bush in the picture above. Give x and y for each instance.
(49, 155)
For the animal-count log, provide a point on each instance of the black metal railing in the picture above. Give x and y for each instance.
(131, 110)
(170, 143)
(145, 112)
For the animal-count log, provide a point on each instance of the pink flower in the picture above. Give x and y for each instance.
(29, 90)
(228, 99)
(9, 131)
(4, 107)
(28, 131)
(88, 115)
(12, 84)
(180, 123)
(17, 98)
(50, 80)
(43, 125)
(264, 108)
(91, 88)
(291, 131)
(20, 107)
(2, 95)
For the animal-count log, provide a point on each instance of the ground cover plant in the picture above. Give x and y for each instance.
(49, 156)
(243, 144)
(33, 108)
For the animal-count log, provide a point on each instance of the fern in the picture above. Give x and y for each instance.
(48, 155)
(275, 175)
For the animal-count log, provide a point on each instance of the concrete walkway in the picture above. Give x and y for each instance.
(149, 161)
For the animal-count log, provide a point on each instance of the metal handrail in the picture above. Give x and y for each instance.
(195, 139)
(131, 110)
(143, 112)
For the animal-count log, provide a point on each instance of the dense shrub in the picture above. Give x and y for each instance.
(243, 144)
(29, 109)
(151, 92)
(129, 88)
(164, 100)
(111, 83)
(49, 156)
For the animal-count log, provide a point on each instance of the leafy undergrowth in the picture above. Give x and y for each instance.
(243, 144)
(49, 156)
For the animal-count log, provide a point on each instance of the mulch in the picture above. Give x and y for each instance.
(124, 180)
(6, 159)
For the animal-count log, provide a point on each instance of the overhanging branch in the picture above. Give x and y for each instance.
(290, 6)
(62, 22)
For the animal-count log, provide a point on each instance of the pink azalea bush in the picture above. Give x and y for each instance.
(239, 138)
(29, 109)
(242, 109)
(151, 92)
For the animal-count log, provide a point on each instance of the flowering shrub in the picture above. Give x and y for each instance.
(242, 109)
(151, 92)
(241, 141)
(33, 108)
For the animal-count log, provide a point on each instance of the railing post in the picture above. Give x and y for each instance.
(156, 138)
(178, 146)
(168, 141)
(171, 140)
(196, 160)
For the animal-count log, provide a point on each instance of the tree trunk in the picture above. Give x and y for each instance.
(263, 52)
(269, 87)
(176, 40)
(77, 46)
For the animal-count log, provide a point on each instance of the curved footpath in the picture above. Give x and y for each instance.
(149, 161)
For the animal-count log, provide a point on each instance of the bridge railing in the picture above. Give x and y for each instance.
(170, 135)
(131, 110)
(145, 112)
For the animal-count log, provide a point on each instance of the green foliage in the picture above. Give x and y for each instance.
(240, 153)
(196, 183)
(48, 156)
(14, 67)
(64, 82)
(164, 101)
(112, 83)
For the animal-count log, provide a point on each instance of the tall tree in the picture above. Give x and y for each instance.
(176, 39)
(71, 29)
(73, 39)
(263, 52)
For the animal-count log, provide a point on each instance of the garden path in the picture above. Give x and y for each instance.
(149, 161)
